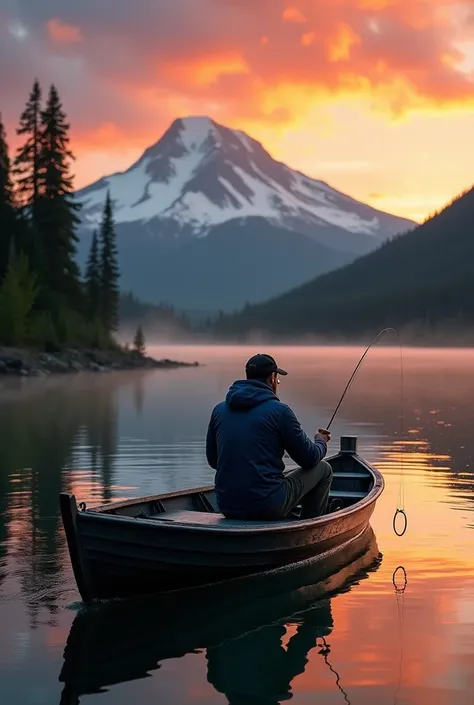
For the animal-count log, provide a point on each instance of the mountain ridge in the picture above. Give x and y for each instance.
(422, 279)
(200, 176)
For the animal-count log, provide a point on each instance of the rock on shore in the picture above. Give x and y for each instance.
(31, 363)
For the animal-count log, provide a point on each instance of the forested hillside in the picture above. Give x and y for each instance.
(423, 278)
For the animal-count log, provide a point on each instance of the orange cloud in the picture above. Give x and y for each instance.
(308, 38)
(292, 14)
(63, 33)
(274, 69)
(401, 53)
(376, 4)
(397, 54)
(340, 44)
(206, 70)
(100, 138)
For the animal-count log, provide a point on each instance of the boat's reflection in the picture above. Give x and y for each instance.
(240, 625)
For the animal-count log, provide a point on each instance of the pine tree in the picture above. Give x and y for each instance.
(57, 219)
(93, 281)
(17, 296)
(7, 213)
(139, 341)
(27, 162)
(109, 271)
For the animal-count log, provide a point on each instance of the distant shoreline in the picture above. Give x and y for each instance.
(25, 362)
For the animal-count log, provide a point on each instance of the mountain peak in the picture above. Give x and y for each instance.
(195, 133)
(197, 123)
(201, 174)
(200, 132)
(194, 130)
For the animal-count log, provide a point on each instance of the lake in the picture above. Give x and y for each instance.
(375, 639)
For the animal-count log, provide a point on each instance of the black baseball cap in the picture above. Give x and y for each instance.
(261, 366)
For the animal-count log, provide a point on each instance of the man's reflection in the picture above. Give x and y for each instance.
(256, 669)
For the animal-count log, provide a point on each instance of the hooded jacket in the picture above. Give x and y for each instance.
(247, 437)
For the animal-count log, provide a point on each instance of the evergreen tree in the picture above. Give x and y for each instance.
(93, 280)
(109, 271)
(7, 213)
(17, 296)
(139, 341)
(57, 219)
(27, 162)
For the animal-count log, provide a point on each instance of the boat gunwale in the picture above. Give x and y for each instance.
(103, 512)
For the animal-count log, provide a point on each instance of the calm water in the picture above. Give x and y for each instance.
(123, 435)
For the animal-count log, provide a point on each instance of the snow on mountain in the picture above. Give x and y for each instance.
(201, 174)
(201, 210)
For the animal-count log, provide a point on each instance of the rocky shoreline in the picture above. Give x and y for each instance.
(31, 363)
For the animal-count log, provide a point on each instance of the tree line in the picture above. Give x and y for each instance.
(44, 301)
(421, 281)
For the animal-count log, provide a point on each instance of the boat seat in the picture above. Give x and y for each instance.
(352, 475)
(211, 519)
(184, 516)
(348, 494)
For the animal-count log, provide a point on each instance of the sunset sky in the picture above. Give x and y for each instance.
(374, 96)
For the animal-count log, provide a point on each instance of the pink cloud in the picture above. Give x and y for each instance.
(63, 33)
(293, 14)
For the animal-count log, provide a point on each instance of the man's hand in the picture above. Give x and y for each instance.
(326, 435)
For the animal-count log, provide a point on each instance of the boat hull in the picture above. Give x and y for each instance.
(127, 639)
(117, 556)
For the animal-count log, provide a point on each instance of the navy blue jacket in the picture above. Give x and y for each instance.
(247, 437)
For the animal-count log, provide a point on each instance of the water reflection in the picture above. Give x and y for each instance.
(400, 582)
(126, 435)
(139, 394)
(56, 437)
(241, 626)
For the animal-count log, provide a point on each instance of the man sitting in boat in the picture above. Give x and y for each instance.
(247, 437)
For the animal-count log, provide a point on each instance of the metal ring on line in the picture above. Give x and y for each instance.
(394, 579)
(402, 512)
(82, 506)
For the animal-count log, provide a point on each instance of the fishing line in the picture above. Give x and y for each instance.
(325, 650)
(400, 510)
(400, 581)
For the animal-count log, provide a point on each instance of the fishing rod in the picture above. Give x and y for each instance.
(377, 337)
(400, 511)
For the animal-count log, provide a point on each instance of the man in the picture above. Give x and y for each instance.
(247, 437)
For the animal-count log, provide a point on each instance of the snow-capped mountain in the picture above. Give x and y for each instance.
(202, 181)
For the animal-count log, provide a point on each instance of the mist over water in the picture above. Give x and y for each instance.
(448, 333)
(125, 434)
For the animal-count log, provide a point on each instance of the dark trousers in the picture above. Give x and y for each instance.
(310, 488)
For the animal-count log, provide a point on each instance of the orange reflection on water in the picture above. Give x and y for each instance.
(368, 636)
(89, 488)
(437, 553)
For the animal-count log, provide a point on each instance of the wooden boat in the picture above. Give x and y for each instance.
(125, 640)
(169, 541)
